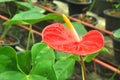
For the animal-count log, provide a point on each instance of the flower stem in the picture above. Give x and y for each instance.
(83, 68)
(92, 5)
(83, 76)
(28, 40)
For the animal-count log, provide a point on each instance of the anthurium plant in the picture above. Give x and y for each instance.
(90, 43)
(54, 57)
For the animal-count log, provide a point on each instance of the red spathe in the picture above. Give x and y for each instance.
(61, 39)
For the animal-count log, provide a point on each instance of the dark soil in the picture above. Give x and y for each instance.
(47, 4)
(80, 0)
(7, 40)
(114, 13)
(85, 18)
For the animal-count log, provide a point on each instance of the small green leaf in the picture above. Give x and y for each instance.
(116, 33)
(8, 59)
(64, 68)
(117, 6)
(104, 50)
(79, 28)
(90, 57)
(43, 59)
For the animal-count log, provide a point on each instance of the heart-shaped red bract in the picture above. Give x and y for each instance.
(61, 39)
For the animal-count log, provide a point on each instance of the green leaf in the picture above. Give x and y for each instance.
(36, 77)
(42, 51)
(50, 16)
(90, 57)
(104, 50)
(14, 75)
(24, 61)
(79, 28)
(29, 6)
(6, 0)
(117, 5)
(27, 17)
(116, 33)
(7, 59)
(63, 56)
(10, 22)
(64, 69)
(11, 75)
(43, 59)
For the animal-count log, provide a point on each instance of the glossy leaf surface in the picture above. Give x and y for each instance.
(24, 61)
(8, 59)
(64, 68)
(43, 59)
(14, 75)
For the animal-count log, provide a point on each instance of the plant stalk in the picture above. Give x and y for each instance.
(92, 5)
(29, 37)
(83, 68)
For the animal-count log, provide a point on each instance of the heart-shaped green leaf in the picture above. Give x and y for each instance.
(14, 75)
(8, 59)
(64, 68)
(43, 60)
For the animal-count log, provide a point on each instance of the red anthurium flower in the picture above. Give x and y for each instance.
(61, 39)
